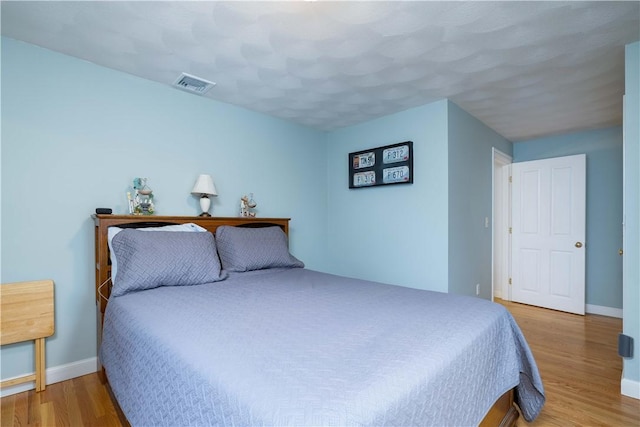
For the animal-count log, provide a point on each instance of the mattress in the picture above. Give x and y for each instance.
(296, 347)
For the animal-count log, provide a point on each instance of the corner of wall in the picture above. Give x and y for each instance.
(631, 273)
(470, 164)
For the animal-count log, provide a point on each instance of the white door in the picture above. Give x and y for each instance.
(548, 235)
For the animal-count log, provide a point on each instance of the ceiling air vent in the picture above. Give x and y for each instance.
(193, 84)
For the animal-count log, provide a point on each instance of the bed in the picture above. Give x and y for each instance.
(261, 340)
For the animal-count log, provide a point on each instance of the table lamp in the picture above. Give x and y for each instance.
(204, 188)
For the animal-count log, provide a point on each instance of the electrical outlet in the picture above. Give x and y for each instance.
(477, 288)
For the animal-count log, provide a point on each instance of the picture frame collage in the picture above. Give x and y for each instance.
(387, 165)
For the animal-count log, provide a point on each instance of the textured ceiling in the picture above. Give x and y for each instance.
(526, 69)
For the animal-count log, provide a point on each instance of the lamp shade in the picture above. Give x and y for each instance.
(204, 185)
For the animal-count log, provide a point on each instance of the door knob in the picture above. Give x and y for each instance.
(620, 252)
(578, 244)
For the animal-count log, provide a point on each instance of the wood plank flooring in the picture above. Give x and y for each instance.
(580, 368)
(577, 357)
(82, 401)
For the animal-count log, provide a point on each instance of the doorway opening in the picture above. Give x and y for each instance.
(501, 239)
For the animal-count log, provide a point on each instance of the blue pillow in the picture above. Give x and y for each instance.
(112, 231)
(246, 249)
(164, 258)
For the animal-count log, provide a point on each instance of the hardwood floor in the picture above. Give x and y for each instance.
(576, 355)
(82, 401)
(580, 368)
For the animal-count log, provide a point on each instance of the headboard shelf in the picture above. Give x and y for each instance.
(103, 222)
(210, 223)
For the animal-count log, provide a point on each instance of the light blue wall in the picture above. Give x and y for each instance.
(470, 188)
(631, 291)
(603, 149)
(430, 234)
(393, 234)
(74, 135)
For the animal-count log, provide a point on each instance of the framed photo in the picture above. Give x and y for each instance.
(391, 164)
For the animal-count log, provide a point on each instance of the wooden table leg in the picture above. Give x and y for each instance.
(41, 382)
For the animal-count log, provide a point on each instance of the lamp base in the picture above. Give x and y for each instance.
(205, 204)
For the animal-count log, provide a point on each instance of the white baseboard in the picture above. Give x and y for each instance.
(604, 311)
(630, 388)
(55, 375)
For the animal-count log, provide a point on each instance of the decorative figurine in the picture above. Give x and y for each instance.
(247, 204)
(142, 201)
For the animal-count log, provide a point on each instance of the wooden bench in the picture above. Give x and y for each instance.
(26, 313)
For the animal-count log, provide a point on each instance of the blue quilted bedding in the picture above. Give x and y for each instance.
(297, 347)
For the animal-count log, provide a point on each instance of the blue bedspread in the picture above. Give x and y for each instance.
(301, 348)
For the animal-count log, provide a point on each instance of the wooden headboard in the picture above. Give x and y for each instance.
(103, 262)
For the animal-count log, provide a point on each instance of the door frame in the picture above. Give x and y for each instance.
(501, 221)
